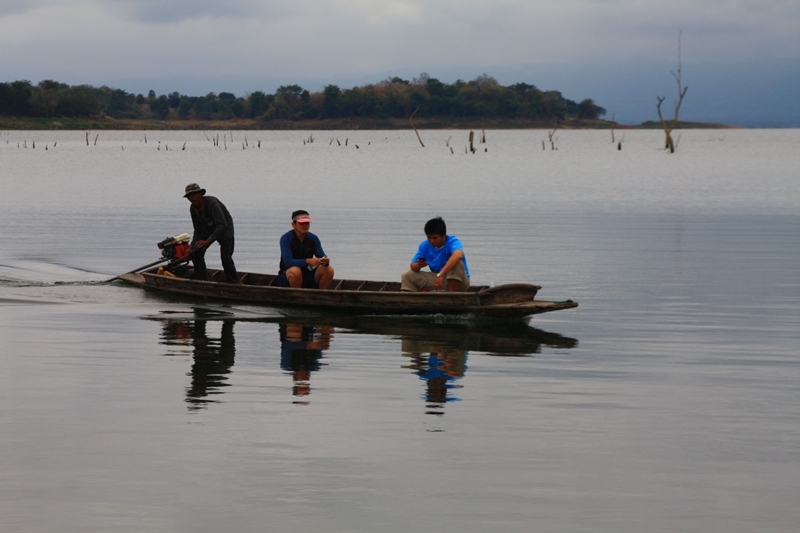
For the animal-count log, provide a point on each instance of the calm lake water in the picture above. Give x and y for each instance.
(668, 401)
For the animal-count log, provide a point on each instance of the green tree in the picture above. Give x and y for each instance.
(120, 104)
(330, 102)
(184, 108)
(258, 103)
(45, 98)
(238, 107)
(289, 93)
(15, 98)
(588, 109)
(77, 102)
(174, 99)
(160, 107)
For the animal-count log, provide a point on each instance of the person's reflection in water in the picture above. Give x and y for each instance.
(440, 367)
(213, 358)
(301, 351)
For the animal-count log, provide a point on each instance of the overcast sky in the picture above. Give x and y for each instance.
(609, 50)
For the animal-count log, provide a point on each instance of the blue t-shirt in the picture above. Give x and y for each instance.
(437, 257)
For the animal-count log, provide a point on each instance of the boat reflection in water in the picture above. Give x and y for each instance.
(437, 351)
(213, 356)
(301, 351)
(434, 350)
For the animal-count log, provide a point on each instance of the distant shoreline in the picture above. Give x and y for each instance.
(79, 124)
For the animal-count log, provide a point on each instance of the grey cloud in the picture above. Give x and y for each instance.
(160, 11)
(151, 10)
(314, 42)
(17, 7)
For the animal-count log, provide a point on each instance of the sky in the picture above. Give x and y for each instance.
(739, 58)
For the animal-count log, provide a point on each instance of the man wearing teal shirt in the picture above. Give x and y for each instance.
(444, 254)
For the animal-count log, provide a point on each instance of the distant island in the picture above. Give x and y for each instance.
(394, 103)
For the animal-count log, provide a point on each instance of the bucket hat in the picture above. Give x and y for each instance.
(193, 187)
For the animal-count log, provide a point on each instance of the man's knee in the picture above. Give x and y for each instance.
(323, 277)
(295, 276)
(412, 281)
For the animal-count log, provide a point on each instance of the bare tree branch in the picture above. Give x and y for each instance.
(669, 144)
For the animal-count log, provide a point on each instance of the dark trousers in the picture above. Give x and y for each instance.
(225, 255)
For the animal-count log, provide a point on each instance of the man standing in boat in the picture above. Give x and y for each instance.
(212, 222)
(303, 261)
(444, 254)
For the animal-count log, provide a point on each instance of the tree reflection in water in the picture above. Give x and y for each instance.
(301, 351)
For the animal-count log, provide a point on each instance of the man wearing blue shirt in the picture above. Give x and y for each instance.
(444, 254)
(303, 261)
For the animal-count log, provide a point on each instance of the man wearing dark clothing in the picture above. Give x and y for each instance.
(212, 222)
(303, 261)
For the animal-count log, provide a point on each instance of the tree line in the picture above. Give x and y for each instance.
(394, 97)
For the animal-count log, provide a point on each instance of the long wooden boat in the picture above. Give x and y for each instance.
(355, 296)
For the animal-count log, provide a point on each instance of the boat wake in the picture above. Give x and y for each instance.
(37, 274)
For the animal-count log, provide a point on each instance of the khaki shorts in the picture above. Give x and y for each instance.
(424, 281)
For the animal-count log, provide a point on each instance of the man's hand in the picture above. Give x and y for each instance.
(419, 264)
(201, 244)
(438, 283)
(318, 261)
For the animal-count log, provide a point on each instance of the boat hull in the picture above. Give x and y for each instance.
(356, 296)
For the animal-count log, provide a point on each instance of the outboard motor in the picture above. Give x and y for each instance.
(176, 248)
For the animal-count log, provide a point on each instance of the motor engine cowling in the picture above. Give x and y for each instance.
(176, 248)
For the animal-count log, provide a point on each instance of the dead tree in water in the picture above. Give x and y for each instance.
(613, 118)
(550, 135)
(669, 144)
(410, 119)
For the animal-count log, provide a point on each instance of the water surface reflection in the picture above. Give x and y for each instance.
(435, 351)
(213, 356)
(301, 352)
(440, 367)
